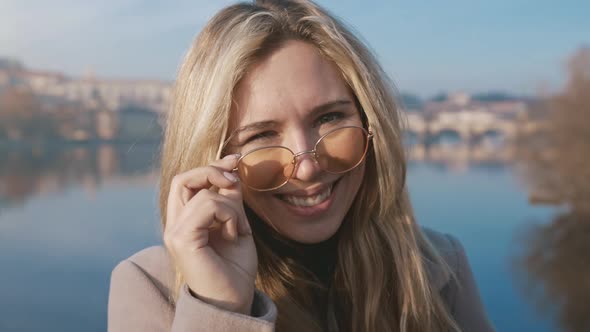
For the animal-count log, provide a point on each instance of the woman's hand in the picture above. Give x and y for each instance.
(209, 237)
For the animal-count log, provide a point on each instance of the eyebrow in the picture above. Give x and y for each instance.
(314, 112)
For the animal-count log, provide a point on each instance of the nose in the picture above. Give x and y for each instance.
(306, 166)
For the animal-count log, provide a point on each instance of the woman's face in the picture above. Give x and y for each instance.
(294, 96)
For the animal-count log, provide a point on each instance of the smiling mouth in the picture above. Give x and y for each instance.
(311, 200)
(307, 201)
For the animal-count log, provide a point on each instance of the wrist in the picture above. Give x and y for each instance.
(244, 309)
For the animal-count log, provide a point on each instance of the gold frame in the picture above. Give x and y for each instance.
(369, 136)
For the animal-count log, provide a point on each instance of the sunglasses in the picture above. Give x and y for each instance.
(337, 151)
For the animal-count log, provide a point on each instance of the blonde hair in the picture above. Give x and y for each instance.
(381, 281)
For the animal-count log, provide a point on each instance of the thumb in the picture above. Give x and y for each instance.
(234, 191)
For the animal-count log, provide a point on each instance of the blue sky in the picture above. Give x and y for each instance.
(426, 46)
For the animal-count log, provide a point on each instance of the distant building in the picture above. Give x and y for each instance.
(89, 92)
(43, 82)
(459, 98)
(463, 103)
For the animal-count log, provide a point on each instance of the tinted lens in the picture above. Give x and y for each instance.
(342, 149)
(267, 168)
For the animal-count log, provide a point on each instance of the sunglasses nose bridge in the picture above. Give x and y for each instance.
(299, 154)
(297, 160)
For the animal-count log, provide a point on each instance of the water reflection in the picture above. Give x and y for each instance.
(70, 214)
(29, 171)
(554, 267)
(558, 269)
(74, 241)
(39, 170)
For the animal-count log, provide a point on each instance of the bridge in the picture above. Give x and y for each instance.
(469, 126)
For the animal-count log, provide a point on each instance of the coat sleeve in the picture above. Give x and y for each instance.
(136, 303)
(466, 305)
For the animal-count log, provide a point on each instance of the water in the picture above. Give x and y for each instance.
(68, 215)
(487, 210)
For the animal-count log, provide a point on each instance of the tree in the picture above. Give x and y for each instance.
(556, 263)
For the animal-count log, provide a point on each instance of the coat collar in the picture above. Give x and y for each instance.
(439, 276)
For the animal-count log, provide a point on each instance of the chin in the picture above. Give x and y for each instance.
(312, 233)
(312, 219)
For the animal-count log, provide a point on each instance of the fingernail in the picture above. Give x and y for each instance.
(231, 156)
(230, 176)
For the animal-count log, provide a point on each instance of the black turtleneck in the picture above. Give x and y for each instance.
(319, 258)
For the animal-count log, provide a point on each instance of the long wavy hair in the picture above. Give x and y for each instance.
(381, 281)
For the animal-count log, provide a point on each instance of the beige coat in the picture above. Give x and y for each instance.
(141, 286)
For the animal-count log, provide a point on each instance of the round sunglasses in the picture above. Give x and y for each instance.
(338, 151)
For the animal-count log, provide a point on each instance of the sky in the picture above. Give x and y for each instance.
(427, 47)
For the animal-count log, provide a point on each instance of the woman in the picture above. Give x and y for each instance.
(283, 193)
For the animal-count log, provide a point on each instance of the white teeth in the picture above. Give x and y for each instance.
(309, 200)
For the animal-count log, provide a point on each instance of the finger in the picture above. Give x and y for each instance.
(229, 229)
(243, 227)
(202, 177)
(226, 163)
(227, 217)
(184, 185)
(204, 213)
(192, 179)
(234, 194)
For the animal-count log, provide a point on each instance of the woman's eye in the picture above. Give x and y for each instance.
(330, 117)
(262, 135)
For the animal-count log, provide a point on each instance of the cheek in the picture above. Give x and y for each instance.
(356, 178)
(354, 184)
(249, 197)
(257, 201)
